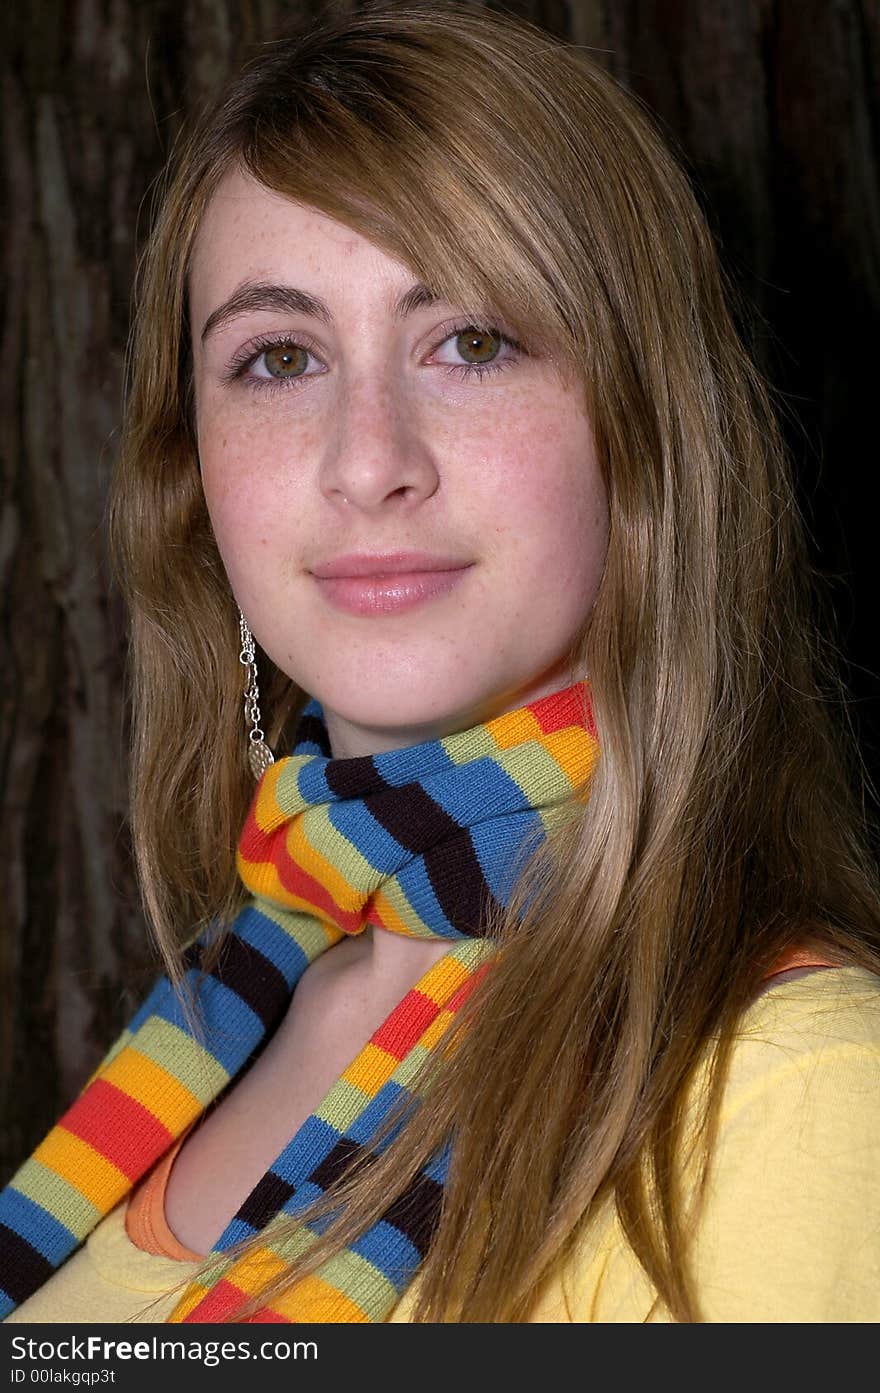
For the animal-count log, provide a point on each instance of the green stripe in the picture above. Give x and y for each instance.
(303, 928)
(395, 896)
(535, 771)
(286, 794)
(179, 1055)
(55, 1194)
(342, 1105)
(346, 859)
(469, 745)
(361, 1282)
(410, 1065)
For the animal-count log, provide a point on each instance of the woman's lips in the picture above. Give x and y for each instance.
(390, 594)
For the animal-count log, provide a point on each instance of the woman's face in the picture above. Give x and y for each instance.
(350, 429)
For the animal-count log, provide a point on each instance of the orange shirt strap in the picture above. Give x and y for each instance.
(145, 1221)
(798, 957)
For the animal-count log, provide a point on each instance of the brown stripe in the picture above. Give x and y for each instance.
(328, 1171)
(416, 1211)
(255, 978)
(353, 778)
(412, 817)
(421, 826)
(458, 882)
(23, 1269)
(314, 731)
(268, 1196)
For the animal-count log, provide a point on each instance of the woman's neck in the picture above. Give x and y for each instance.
(385, 958)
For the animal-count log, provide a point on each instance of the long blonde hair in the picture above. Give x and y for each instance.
(509, 170)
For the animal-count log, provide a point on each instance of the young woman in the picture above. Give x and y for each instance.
(541, 982)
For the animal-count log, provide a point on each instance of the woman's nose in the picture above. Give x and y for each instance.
(379, 452)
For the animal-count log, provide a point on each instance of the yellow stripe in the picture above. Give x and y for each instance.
(392, 920)
(119, 1044)
(303, 852)
(401, 913)
(255, 1269)
(443, 979)
(263, 880)
(436, 1030)
(315, 1300)
(514, 727)
(188, 1302)
(574, 754)
(267, 812)
(371, 1069)
(102, 1183)
(158, 1039)
(152, 1086)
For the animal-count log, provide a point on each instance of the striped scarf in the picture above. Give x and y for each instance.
(421, 841)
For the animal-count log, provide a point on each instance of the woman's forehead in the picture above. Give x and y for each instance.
(257, 248)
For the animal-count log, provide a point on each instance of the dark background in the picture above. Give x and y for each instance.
(772, 105)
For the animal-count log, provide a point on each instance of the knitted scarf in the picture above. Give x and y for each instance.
(420, 841)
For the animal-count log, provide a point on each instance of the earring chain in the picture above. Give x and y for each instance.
(259, 754)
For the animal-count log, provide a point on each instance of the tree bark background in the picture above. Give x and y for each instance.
(772, 104)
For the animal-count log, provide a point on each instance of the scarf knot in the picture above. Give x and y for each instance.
(423, 840)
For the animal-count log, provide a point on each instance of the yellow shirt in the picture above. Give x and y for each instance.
(791, 1225)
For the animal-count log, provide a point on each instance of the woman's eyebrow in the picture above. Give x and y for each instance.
(259, 295)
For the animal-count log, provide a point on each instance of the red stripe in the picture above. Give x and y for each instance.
(407, 1022)
(295, 880)
(222, 1298)
(562, 709)
(117, 1126)
(299, 882)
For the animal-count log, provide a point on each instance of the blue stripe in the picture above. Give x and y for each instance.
(415, 883)
(365, 1124)
(236, 1231)
(232, 1029)
(312, 783)
(501, 859)
(152, 1005)
(437, 1167)
(304, 1195)
(414, 763)
(383, 852)
(483, 790)
(269, 938)
(310, 1146)
(34, 1223)
(390, 1250)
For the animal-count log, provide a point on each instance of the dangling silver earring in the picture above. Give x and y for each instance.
(259, 754)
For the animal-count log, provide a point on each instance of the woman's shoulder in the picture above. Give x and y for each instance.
(791, 1225)
(817, 1027)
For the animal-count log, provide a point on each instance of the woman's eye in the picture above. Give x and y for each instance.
(282, 360)
(477, 346)
(270, 363)
(482, 351)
